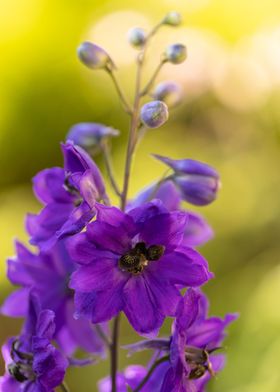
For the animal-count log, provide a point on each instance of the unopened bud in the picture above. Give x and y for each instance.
(197, 182)
(154, 114)
(93, 56)
(173, 18)
(176, 53)
(89, 135)
(137, 37)
(168, 92)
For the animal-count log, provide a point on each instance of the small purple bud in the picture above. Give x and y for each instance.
(137, 37)
(89, 135)
(173, 18)
(197, 182)
(154, 114)
(168, 92)
(94, 56)
(176, 53)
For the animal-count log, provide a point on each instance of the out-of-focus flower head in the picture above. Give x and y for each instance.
(168, 92)
(48, 274)
(134, 261)
(197, 182)
(32, 362)
(137, 37)
(69, 195)
(175, 53)
(173, 18)
(89, 135)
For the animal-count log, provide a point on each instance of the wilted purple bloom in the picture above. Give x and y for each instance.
(197, 230)
(89, 135)
(48, 275)
(133, 261)
(69, 196)
(190, 353)
(33, 364)
(198, 182)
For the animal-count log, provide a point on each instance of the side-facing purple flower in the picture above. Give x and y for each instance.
(197, 231)
(48, 275)
(33, 364)
(90, 135)
(69, 196)
(197, 182)
(133, 262)
(190, 353)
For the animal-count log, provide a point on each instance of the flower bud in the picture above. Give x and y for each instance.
(197, 182)
(137, 37)
(89, 135)
(173, 18)
(176, 53)
(168, 92)
(154, 114)
(94, 56)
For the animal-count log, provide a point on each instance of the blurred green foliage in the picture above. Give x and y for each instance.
(44, 90)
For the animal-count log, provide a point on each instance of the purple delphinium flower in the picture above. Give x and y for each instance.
(131, 377)
(48, 274)
(197, 231)
(197, 182)
(190, 353)
(69, 197)
(132, 262)
(89, 135)
(33, 364)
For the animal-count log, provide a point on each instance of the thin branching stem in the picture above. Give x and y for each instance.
(120, 92)
(64, 387)
(109, 167)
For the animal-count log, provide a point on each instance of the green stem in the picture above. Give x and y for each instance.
(114, 352)
(120, 92)
(109, 168)
(64, 387)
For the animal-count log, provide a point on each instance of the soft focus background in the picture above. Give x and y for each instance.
(230, 118)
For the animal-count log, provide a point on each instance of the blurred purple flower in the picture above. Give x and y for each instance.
(133, 261)
(198, 182)
(69, 197)
(48, 275)
(89, 135)
(33, 364)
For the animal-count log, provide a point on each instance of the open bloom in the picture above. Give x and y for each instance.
(33, 364)
(197, 231)
(48, 275)
(197, 182)
(69, 197)
(133, 262)
(188, 358)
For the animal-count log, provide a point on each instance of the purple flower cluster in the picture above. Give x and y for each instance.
(91, 261)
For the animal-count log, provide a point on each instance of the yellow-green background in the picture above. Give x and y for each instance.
(232, 123)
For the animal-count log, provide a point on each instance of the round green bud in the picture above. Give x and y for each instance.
(176, 53)
(137, 37)
(173, 18)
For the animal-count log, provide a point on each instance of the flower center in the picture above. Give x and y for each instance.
(198, 359)
(21, 369)
(138, 258)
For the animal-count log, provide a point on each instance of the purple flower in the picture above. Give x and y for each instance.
(197, 230)
(154, 114)
(190, 353)
(48, 275)
(89, 135)
(197, 182)
(33, 364)
(131, 377)
(133, 261)
(69, 197)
